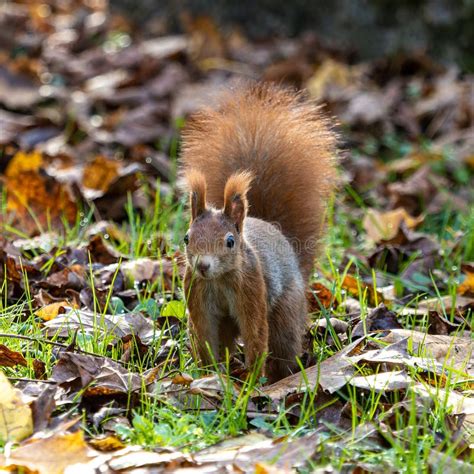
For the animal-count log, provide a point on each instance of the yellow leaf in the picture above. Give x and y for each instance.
(182, 379)
(100, 173)
(50, 311)
(16, 421)
(23, 162)
(36, 200)
(51, 455)
(330, 72)
(470, 161)
(107, 443)
(467, 286)
(385, 225)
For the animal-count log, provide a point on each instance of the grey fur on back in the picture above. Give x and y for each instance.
(279, 262)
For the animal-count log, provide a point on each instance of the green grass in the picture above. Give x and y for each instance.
(157, 421)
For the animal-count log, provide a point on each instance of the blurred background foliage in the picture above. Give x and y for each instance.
(364, 29)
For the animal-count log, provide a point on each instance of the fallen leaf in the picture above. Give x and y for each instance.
(328, 74)
(164, 47)
(9, 358)
(73, 277)
(12, 124)
(245, 451)
(318, 295)
(339, 326)
(23, 162)
(459, 404)
(41, 398)
(380, 318)
(182, 379)
(36, 200)
(102, 252)
(16, 420)
(415, 192)
(449, 352)
(331, 375)
(383, 381)
(368, 107)
(90, 323)
(106, 443)
(98, 375)
(386, 225)
(17, 91)
(46, 313)
(356, 287)
(39, 368)
(100, 173)
(213, 387)
(51, 455)
(466, 288)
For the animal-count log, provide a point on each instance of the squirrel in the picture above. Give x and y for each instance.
(259, 167)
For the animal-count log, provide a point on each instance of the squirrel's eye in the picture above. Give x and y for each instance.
(230, 241)
(186, 239)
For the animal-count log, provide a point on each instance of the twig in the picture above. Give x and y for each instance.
(20, 379)
(53, 343)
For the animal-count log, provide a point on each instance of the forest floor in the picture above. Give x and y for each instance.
(96, 369)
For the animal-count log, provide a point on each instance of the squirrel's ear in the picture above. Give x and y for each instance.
(235, 197)
(196, 184)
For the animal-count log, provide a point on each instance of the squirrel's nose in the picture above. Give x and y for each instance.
(203, 267)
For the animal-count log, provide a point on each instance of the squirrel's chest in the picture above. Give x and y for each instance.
(220, 301)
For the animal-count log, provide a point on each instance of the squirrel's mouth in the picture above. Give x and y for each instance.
(205, 266)
(204, 274)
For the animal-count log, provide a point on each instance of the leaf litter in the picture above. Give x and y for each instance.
(90, 112)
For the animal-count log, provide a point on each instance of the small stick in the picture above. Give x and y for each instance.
(53, 343)
(20, 379)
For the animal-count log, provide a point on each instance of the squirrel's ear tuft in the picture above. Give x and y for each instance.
(235, 197)
(195, 183)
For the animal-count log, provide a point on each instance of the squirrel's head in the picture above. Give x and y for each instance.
(214, 239)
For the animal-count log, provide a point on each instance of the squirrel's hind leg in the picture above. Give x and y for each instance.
(287, 323)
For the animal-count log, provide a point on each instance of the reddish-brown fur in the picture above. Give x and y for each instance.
(248, 286)
(267, 152)
(197, 192)
(235, 197)
(287, 145)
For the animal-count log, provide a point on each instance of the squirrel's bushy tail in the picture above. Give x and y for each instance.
(286, 143)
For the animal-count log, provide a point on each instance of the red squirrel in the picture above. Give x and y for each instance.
(259, 167)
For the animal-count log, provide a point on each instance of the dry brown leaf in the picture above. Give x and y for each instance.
(9, 358)
(459, 404)
(385, 225)
(319, 295)
(100, 376)
(383, 381)
(119, 325)
(435, 351)
(331, 374)
(16, 420)
(206, 40)
(378, 319)
(355, 286)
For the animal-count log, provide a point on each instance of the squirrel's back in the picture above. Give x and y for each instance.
(288, 146)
